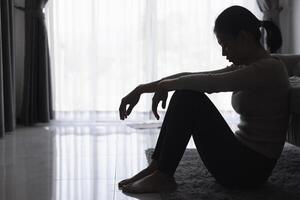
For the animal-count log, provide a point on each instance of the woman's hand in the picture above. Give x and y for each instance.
(161, 94)
(131, 99)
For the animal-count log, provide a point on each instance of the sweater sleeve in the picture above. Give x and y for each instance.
(218, 71)
(257, 76)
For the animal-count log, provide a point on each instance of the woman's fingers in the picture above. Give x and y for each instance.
(127, 104)
(121, 113)
(155, 102)
(160, 95)
(164, 102)
(122, 110)
(154, 109)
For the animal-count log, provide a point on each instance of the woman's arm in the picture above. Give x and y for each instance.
(257, 76)
(133, 97)
(151, 87)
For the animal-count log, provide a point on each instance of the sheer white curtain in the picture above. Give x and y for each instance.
(102, 49)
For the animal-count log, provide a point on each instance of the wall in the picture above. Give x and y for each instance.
(290, 17)
(295, 8)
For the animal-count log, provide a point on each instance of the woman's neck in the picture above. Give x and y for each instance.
(256, 54)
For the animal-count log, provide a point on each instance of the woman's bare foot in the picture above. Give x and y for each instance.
(155, 182)
(145, 172)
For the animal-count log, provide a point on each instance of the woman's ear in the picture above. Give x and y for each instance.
(245, 37)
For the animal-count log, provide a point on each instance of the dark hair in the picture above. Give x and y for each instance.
(236, 18)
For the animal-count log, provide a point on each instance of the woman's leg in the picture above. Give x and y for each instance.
(176, 131)
(153, 165)
(167, 122)
(190, 113)
(229, 161)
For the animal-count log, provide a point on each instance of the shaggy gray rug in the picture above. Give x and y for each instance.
(195, 182)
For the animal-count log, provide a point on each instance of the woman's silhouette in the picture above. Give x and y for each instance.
(259, 83)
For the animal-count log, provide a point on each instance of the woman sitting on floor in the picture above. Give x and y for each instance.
(259, 83)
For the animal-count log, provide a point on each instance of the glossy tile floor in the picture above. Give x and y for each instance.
(72, 161)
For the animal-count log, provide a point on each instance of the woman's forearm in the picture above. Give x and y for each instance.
(151, 87)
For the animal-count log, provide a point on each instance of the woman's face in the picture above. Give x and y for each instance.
(233, 48)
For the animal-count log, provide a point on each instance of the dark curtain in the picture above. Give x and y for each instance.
(37, 95)
(7, 87)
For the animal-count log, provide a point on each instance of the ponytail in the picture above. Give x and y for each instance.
(274, 38)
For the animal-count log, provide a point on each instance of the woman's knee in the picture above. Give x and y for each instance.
(188, 95)
(191, 98)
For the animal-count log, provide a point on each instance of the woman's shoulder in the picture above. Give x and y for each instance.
(270, 67)
(273, 66)
(272, 60)
(269, 62)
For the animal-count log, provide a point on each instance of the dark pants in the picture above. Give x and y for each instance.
(230, 162)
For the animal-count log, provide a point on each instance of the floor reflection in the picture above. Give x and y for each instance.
(72, 161)
(90, 160)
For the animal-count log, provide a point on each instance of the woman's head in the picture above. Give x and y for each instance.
(238, 23)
